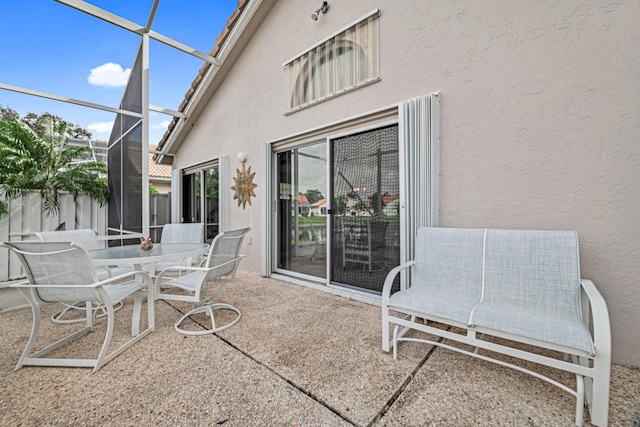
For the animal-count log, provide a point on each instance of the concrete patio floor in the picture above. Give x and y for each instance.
(297, 357)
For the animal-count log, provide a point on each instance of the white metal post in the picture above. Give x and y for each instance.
(145, 135)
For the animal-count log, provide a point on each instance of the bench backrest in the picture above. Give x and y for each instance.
(85, 236)
(523, 282)
(533, 269)
(449, 261)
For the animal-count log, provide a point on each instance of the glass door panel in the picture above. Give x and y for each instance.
(365, 201)
(191, 199)
(212, 224)
(194, 185)
(302, 210)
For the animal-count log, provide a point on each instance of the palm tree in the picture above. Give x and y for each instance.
(42, 162)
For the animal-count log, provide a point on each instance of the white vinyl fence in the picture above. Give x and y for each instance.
(26, 218)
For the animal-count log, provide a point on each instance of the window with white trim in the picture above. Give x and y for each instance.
(343, 62)
(200, 190)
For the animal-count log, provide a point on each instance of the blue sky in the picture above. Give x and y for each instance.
(50, 47)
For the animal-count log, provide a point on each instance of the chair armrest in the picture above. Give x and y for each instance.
(192, 269)
(179, 269)
(388, 282)
(600, 318)
(108, 281)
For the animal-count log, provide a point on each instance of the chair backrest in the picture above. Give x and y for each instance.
(226, 246)
(449, 261)
(182, 233)
(85, 236)
(544, 266)
(51, 264)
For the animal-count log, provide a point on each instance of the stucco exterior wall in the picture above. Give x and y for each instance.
(540, 120)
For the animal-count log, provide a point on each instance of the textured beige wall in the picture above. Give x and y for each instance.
(540, 120)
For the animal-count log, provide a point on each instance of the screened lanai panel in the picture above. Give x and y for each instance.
(115, 185)
(132, 98)
(132, 180)
(125, 158)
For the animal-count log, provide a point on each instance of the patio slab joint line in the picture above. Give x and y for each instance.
(408, 379)
(287, 380)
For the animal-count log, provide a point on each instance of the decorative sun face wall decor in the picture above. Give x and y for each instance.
(244, 186)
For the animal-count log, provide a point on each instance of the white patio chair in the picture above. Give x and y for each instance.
(63, 272)
(319, 237)
(219, 267)
(87, 238)
(90, 240)
(179, 233)
(361, 242)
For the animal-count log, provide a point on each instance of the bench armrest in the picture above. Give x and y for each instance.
(388, 282)
(601, 328)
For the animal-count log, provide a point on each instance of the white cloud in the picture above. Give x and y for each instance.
(162, 125)
(109, 75)
(100, 127)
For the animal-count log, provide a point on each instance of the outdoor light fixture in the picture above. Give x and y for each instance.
(242, 157)
(323, 9)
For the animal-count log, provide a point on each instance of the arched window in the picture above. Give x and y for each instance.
(340, 67)
(341, 63)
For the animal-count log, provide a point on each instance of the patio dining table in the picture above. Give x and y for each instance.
(136, 257)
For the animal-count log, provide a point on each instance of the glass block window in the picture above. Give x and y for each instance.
(341, 63)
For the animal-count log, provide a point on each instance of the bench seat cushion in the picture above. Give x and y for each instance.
(444, 306)
(547, 327)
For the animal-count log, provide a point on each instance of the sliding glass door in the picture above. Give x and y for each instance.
(347, 234)
(302, 210)
(337, 214)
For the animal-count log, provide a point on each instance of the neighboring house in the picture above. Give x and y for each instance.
(159, 175)
(319, 208)
(98, 148)
(356, 207)
(477, 114)
(302, 204)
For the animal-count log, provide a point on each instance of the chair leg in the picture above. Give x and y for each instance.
(107, 339)
(579, 400)
(385, 330)
(104, 358)
(395, 342)
(598, 393)
(209, 311)
(35, 328)
(137, 310)
(135, 317)
(36, 359)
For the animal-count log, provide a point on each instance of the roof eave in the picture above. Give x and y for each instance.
(202, 84)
